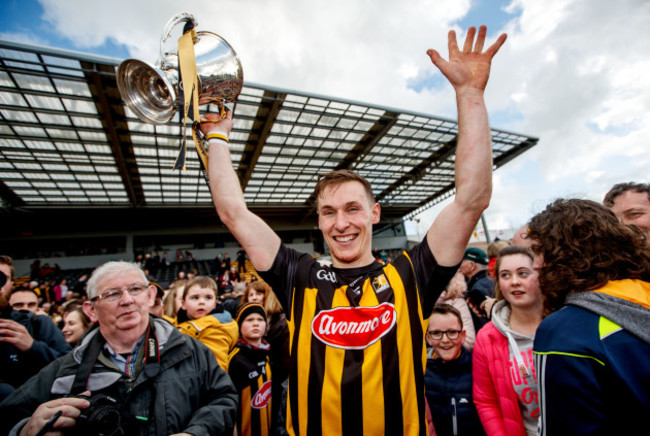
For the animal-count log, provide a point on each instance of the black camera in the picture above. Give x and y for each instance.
(476, 298)
(102, 417)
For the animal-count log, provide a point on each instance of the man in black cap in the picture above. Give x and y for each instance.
(479, 284)
(474, 268)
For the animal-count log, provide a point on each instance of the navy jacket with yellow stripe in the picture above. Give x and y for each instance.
(592, 362)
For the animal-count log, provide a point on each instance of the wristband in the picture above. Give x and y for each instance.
(217, 135)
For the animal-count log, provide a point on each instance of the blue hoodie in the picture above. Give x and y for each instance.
(593, 362)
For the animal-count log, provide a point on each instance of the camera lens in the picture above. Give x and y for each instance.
(105, 419)
(101, 418)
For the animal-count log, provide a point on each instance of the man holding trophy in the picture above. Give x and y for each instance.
(357, 327)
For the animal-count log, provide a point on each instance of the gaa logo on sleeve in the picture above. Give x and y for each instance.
(354, 328)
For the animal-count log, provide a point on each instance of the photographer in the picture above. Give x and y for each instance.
(138, 371)
(28, 341)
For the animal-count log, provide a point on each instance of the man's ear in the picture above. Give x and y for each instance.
(152, 295)
(376, 213)
(88, 309)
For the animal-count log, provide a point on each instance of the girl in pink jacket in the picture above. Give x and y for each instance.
(505, 383)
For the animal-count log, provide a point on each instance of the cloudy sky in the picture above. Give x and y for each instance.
(573, 73)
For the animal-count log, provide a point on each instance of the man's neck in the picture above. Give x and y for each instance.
(364, 261)
(126, 341)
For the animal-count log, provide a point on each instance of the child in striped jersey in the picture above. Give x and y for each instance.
(250, 371)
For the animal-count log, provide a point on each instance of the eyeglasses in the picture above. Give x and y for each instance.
(437, 334)
(115, 294)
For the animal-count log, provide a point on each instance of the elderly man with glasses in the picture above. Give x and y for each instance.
(148, 378)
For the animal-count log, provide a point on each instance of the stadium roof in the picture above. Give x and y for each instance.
(67, 142)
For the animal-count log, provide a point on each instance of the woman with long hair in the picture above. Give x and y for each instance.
(505, 384)
(592, 356)
(172, 301)
(75, 324)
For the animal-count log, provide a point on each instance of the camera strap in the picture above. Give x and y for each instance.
(96, 346)
(152, 358)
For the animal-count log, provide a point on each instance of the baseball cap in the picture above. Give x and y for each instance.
(477, 255)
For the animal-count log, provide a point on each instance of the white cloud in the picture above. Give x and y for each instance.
(573, 71)
(570, 67)
(339, 48)
(24, 37)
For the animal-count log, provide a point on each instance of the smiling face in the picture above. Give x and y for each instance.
(346, 216)
(519, 281)
(73, 327)
(445, 348)
(634, 208)
(199, 301)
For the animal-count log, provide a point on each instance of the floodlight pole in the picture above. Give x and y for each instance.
(485, 229)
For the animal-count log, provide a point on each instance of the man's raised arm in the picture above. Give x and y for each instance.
(467, 71)
(255, 236)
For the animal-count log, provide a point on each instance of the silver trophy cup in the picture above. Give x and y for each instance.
(152, 92)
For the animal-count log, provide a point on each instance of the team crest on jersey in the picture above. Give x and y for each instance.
(262, 397)
(354, 328)
(380, 283)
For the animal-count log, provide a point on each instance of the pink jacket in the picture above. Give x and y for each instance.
(494, 394)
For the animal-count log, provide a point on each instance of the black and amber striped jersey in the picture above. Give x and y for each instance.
(250, 372)
(357, 342)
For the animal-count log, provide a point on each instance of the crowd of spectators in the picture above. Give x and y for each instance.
(560, 315)
(58, 321)
(479, 374)
(557, 341)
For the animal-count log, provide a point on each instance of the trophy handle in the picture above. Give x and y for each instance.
(182, 17)
(152, 93)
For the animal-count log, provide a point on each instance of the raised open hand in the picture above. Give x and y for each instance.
(469, 69)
